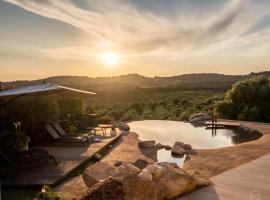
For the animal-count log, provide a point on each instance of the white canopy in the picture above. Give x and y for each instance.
(41, 89)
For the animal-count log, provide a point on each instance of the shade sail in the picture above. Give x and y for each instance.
(41, 89)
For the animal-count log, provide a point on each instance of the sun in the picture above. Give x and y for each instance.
(109, 58)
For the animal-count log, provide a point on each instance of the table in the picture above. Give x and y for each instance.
(104, 127)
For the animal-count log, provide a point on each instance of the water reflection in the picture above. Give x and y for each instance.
(168, 132)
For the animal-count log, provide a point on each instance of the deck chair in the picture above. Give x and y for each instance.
(90, 136)
(62, 132)
(66, 141)
(29, 157)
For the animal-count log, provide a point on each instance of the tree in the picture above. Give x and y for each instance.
(247, 100)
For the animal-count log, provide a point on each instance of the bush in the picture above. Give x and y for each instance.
(247, 100)
(48, 194)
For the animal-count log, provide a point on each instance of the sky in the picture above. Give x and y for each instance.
(41, 38)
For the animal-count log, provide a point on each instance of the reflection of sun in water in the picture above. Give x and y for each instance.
(109, 58)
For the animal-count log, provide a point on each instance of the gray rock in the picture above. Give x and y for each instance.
(178, 150)
(147, 144)
(181, 144)
(141, 164)
(160, 146)
(168, 147)
(191, 151)
(187, 147)
(123, 126)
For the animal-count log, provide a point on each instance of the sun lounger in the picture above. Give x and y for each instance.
(62, 132)
(30, 157)
(66, 141)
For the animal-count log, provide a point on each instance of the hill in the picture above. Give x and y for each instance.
(185, 81)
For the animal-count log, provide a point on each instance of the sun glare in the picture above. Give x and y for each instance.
(109, 58)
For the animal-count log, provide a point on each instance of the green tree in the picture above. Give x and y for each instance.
(247, 100)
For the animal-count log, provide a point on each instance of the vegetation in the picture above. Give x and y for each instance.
(48, 194)
(247, 100)
(134, 97)
(153, 103)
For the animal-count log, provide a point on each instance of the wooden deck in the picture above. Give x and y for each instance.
(68, 158)
(250, 181)
(223, 123)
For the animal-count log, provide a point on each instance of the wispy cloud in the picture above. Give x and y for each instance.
(120, 25)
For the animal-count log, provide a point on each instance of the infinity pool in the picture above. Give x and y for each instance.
(168, 132)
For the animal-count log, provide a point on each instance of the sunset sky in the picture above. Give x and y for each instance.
(41, 38)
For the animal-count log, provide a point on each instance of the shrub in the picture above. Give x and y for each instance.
(48, 194)
(247, 100)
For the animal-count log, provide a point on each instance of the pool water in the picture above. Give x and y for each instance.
(168, 132)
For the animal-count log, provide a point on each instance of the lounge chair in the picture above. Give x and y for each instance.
(62, 132)
(30, 157)
(66, 141)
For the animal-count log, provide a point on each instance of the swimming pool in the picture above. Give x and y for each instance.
(168, 132)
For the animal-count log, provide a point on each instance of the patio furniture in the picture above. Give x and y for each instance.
(104, 127)
(66, 141)
(62, 132)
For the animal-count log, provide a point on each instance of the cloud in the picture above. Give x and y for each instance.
(121, 26)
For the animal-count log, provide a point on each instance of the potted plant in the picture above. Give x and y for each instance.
(21, 140)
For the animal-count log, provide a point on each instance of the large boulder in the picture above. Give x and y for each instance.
(108, 189)
(147, 144)
(136, 187)
(123, 126)
(178, 150)
(156, 182)
(126, 169)
(173, 180)
(98, 172)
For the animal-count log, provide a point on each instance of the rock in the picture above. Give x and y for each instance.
(168, 147)
(117, 163)
(201, 181)
(126, 169)
(141, 164)
(138, 188)
(124, 132)
(187, 147)
(108, 189)
(178, 150)
(191, 151)
(97, 172)
(177, 155)
(160, 146)
(147, 144)
(145, 174)
(199, 117)
(156, 182)
(181, 144)
(173, 180)
(123, 126)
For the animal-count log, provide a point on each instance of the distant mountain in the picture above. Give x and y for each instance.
(200, 80)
